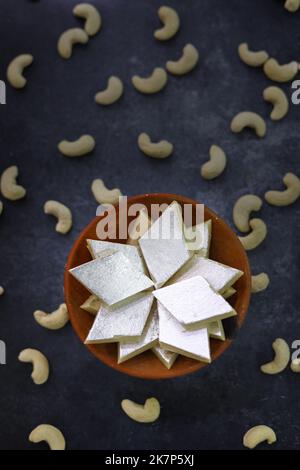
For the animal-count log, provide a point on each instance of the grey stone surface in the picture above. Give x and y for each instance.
(208, 410)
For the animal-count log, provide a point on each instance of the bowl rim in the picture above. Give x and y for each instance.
(224, 345)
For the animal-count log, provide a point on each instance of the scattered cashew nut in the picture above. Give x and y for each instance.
(256, 237)
(1, 207)
(2, 290)
(278, 98)
(295, 365)
(259, 282)
(186, 63)
(68, 39)
(8, 184)
(258, 434)
(15, 70)
(63, 214)
(280, 73)
(281, 359)
(289, 195)
(292, 5)
(249, 119)
(40, 372)
(50, 434)
(162, 149)
(112, 93)
(85, 144)
(242, 209)
(91, 15)
(254, 59)
(152, 84)
(216, 165)
(52, 321)
(103, 195)
(171, 21)
(146, 413)
(92, 304)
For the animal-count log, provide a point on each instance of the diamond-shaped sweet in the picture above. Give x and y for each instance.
(97, 247)
(166, 357)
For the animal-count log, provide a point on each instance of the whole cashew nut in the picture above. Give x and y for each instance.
(258, 434)
(289, 195)
(249, 119)
(91, 15)
(68, 39)
(162, 149)
(280, 73)
(256, 237)
(186, 63)
(8, 184)
(278, 98)
(242, 209)
(216, 165)
(171, 21)
(152, 84)
(259, 282)
(92, 304)
(85, 144)
(295, 365)
(112, 93)
(103, 195)
(146, 413)
(15, 70)
(63, 214)
(254, 59)
(52, 321)
(50, 434)
(40, 372)
(281, 359)
(2, 290)
(292, 5)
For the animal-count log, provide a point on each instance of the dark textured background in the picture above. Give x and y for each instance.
(210, 409)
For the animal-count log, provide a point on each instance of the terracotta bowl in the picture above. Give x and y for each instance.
(225, 247)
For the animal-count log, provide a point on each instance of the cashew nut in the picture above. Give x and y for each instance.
(186, 63)
(254, 59)
(249, 119)
(280, 73)
(68, 39)
(52, 321)
(40, 372)
(112, 93)
(292, 5)
(50, 434)
(1, 207)
(216, 165)
(85, 144)
(289, 195)
(2, 290)
(92, 304)
(256, 237)
(16, 68)
(242, 209)
(169, 17)
(103, 195)
(258, 434)
(278, 98)
(295, 365)
(152, 84)
(161, 149)
(63, 214)
(281, 359)
(8, 184)
(91, 15)
(259, 282)
(146, 413)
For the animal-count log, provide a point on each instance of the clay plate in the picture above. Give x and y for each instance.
(225, 247)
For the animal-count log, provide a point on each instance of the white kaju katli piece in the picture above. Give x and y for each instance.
(138, 227)
(149, 338)
(126, 319)
(216, 330)
(163, 245)
(112, 278)
(97, 247)
(219, 276)
(199, 236)
(174, 337)
(193, 302)
(167, 358)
